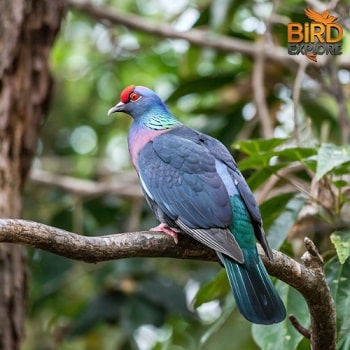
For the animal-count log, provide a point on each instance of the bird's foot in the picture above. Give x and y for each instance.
(167, 230)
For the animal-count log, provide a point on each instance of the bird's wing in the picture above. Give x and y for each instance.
(180, 176)
(221, 153)
(317, 17)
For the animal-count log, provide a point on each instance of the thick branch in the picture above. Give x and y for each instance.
(323, 334)
(100, 248)
(308, 279)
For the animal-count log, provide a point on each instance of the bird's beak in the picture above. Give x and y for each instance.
(117, 108)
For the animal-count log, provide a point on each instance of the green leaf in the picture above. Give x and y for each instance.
(330, 157)
(273, 207)
(229, 331)
(259, 154)
(201, 85)
(104, 308)
(215, 289)
(260, 176)
(173, 298)
(340, 183)
(338, 279)
(139, 311)
(283, 335)
(278, 231)
(258, 145)
(256, 161)
(292, 154)
(341, 241)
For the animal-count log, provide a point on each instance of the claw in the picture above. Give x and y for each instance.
(167, 230)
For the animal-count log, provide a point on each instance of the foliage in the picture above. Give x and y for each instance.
(341, 241)
(162, 303)
(283, 335)
(338, 280)
(330, 158)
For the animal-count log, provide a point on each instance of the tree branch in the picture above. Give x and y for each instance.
(307, 278)
(296, 99)
(259, 90)
(100, 248)
(198, 37)
(338, 93)
(303, 331)
(124, 184)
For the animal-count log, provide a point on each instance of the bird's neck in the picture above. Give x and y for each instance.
(140, 135)
(158, 119)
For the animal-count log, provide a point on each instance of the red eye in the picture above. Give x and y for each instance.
(134, 97)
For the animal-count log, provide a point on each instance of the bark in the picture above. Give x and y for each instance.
(27, 31)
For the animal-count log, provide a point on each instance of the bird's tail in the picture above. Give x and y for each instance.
(255, 295)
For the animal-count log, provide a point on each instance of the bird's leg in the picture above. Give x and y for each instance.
(167, 230)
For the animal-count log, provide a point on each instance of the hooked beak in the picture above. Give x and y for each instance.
(117, 108)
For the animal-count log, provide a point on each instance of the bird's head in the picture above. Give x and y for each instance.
(137, 101)
(145, 107)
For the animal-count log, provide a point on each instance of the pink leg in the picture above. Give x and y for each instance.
(167, 230)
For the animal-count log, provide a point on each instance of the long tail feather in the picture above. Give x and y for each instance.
(255, 295)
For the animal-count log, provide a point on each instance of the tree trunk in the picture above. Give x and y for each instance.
(27, 31)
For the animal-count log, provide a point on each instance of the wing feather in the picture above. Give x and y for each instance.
(221, 153)
(180, 178)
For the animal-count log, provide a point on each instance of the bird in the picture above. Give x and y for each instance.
(193, 185)
(324, 17)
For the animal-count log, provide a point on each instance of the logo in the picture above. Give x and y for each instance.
(320, 37)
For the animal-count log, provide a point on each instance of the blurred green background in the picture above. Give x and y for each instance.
(153, 303)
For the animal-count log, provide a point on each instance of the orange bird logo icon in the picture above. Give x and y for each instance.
(324, 18)
(320, 35)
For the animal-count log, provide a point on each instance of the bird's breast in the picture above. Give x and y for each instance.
(138, 139)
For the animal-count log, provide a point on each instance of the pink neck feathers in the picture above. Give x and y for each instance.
(138, 138)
